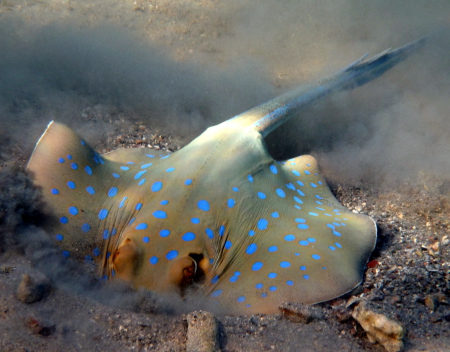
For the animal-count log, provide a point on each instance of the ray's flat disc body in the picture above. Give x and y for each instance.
(219, 216)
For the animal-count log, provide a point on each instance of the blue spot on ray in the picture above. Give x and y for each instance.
(142, 226)
(203, 205)
(280, 193)
(73, 210)
(74, 166)
(112, 192)
(90, 190)
(164, 233)
(261, 195)
(262, 224)
(337, 233)
(88, 170)
(157, 186)
(188, 236)
(216, 293)
(172, 254)
(257, 266)
(285, 264)
(102, 214)
(289, 237)
(55, 191)
(273, 169)
(139, 174)
(188, 182)
(71, 185)
(231, 203)
(209, 233)
(122, 202)
(251, 248)
(153, 260)
(160, 214)
(298, 200)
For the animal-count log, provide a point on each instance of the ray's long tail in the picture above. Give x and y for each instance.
(268, 116)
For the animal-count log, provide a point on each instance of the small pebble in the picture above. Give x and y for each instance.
(431, 302)
(30, 291)
(39, 327)
(300, 313)
(202, 333)
(379, 328)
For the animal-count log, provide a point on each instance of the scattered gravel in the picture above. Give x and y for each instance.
(407, 278)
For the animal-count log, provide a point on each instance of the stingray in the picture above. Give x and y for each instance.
(219, 218)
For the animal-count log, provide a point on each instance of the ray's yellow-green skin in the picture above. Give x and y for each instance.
(219, 160)
(220, 215)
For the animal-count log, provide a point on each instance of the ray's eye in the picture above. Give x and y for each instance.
(188, 271)
(126, 260)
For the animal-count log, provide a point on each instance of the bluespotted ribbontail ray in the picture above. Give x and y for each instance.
(220, 215)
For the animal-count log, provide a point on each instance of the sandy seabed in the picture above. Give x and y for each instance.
(157, 73)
